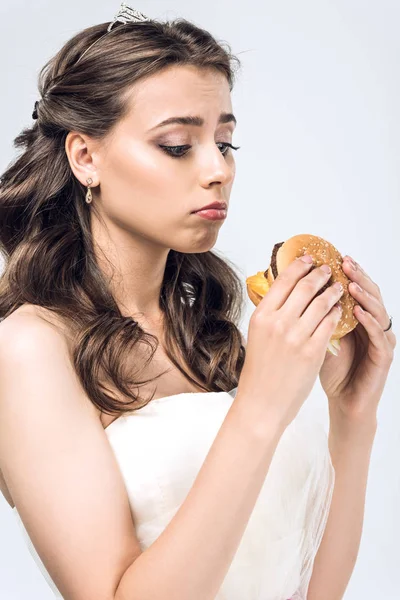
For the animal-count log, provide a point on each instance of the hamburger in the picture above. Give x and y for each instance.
(323, 252)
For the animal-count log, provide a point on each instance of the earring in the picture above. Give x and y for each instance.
(89, 191)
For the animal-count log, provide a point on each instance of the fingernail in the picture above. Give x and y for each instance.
(352, 263)
(306, 258)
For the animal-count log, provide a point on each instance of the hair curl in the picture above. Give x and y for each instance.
(45, 235)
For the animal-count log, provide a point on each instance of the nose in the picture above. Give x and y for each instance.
(217, 168)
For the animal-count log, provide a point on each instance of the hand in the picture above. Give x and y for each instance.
(287, 340)
(354, 380)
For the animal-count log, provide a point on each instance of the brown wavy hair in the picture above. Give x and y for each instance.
(45, 235)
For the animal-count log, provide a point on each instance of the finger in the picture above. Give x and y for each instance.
(304, 295)
(359, 276)
(370, 303)
(377, 336)
(283, 285)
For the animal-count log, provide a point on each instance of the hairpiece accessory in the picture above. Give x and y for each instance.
(126, 14)
(390, 325)
(89, 198)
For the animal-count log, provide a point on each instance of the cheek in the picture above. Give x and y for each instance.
(138, 167)
(143, 188)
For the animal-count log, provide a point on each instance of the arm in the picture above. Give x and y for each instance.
(337, 554)
(58, 465)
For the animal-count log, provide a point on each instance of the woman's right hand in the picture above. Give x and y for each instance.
(287, 340)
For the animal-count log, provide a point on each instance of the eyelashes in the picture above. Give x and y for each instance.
(171, 150)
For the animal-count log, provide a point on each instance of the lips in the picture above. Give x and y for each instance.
(216, 205)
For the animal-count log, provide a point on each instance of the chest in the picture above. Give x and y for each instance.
(172, 381)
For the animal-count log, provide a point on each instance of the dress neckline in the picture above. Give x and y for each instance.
(167, 398)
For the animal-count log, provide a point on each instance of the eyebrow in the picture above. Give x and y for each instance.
(195, 120)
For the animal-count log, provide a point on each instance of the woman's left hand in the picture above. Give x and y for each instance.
(354, 380)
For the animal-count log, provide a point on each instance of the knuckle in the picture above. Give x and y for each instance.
(293, 339)
(325, 301)
(307, 285)
(308, 352)
(257, 317)
(260, 318)
(280, 326)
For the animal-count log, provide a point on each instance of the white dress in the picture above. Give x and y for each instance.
(161, 447)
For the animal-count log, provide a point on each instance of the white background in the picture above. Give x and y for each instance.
(317, 103)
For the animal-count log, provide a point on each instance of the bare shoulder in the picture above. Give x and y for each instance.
(36, 334)
(30, 317)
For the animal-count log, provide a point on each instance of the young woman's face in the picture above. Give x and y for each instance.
(151, 191)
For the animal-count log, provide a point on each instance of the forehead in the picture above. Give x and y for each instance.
(178, 90)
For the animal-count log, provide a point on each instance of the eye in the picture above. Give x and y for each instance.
(174, 151)
(227, 146)
(178, 151)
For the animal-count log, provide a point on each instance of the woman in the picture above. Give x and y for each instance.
(127, 470)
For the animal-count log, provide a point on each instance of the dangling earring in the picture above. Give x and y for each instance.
(89, 191)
